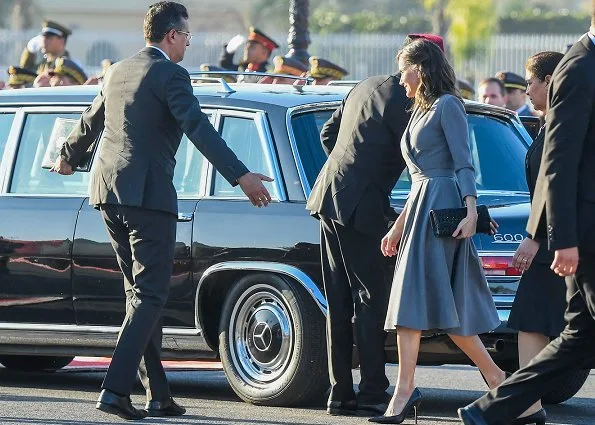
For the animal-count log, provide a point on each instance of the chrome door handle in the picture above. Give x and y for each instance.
(185, 217)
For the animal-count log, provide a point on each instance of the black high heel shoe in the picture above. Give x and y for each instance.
(537, 418)
(413, 403)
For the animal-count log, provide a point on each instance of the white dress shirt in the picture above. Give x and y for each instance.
(164, 54)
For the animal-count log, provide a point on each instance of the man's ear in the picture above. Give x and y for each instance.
(547, 79)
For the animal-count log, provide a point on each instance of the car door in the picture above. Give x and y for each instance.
(99, 297)
(39, 211)
(227, 226)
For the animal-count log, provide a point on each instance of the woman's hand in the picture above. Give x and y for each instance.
(523, 257)
(466, 227)
(391, 240)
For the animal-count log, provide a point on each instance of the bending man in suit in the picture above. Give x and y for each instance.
(565, 198)
(145, 105)
(351, 199)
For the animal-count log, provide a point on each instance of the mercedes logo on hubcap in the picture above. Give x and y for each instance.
(262, 336)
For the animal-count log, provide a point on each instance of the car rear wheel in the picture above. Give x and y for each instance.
(272, 342)
(34, 363)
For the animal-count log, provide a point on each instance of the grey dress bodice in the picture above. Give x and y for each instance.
(423, 144)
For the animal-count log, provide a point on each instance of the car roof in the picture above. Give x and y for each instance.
(283, 95)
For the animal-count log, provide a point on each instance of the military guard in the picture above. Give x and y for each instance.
(67, 73)
(516, 91)
(19, 78)
(257, 52)
(324, 71)
(467, 91)
(214, 68)
(43, 49)
(288, 66)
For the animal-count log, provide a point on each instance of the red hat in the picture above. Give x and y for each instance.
(260, 37)
(436, 39)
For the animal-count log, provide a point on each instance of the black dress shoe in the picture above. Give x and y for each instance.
(120, 405)
(341, 408)
(164, 408)
(537, 418)
(411, 405)
(471, 415)
(373, 408)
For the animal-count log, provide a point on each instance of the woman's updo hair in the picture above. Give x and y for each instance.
(436, 74)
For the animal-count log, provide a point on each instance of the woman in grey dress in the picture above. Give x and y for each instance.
(438, 282)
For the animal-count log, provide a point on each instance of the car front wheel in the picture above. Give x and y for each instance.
(272, 342)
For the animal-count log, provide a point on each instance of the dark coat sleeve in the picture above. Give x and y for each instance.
(89, 128)
(226, 60)
(330, 129)
(196, 125)
(570, 108)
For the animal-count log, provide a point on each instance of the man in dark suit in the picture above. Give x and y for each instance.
(351, 199)
(565, 198)
(144, 106)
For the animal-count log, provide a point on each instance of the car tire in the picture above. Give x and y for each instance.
(567, 387)
(34, 363)
(272, 342)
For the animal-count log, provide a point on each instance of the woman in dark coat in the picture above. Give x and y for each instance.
(540, 302)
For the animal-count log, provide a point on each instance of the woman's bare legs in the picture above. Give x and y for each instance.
(530, 345)
(408, 344)
(476, 351)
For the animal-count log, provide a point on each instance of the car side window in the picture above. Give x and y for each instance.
(28, 175)
(242, 136)
(5, 125)
(189, 168)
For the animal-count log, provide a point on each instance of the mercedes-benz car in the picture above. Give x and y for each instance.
(246, 286)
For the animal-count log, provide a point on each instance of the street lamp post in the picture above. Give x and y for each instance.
(299, 36)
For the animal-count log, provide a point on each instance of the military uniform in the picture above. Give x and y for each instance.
(33, 58)
(514, 81)
(214, 68)
(20, 77)
(255, 36)
(68, 68)
(467, 91)
(324, 71)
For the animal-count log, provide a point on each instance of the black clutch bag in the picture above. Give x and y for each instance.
(445, 221)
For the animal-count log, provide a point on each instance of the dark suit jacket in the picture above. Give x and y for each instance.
(144, 106)
(532, 163)
(565, 190)
(362, 139)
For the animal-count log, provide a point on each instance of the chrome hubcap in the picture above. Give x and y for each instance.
(261, 335)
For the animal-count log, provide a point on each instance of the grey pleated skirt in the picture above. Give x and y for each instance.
(438, 283)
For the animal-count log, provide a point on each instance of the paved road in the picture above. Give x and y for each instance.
(68, 397)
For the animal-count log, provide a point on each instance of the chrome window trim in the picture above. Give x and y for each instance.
(496, 253)
(262, 266)
(288, 117)
(9, 150)
(264, 130)
(267, 145)
(13, 144)
(202, 189)
(88, 328)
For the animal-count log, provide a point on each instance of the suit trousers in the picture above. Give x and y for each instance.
(356, 283)
(572, 350)
(144, 242)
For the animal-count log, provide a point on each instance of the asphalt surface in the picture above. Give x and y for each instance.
(68, 397)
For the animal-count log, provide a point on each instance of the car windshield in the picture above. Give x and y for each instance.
(497, 149)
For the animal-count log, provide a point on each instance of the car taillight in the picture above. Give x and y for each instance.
(499, 266)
